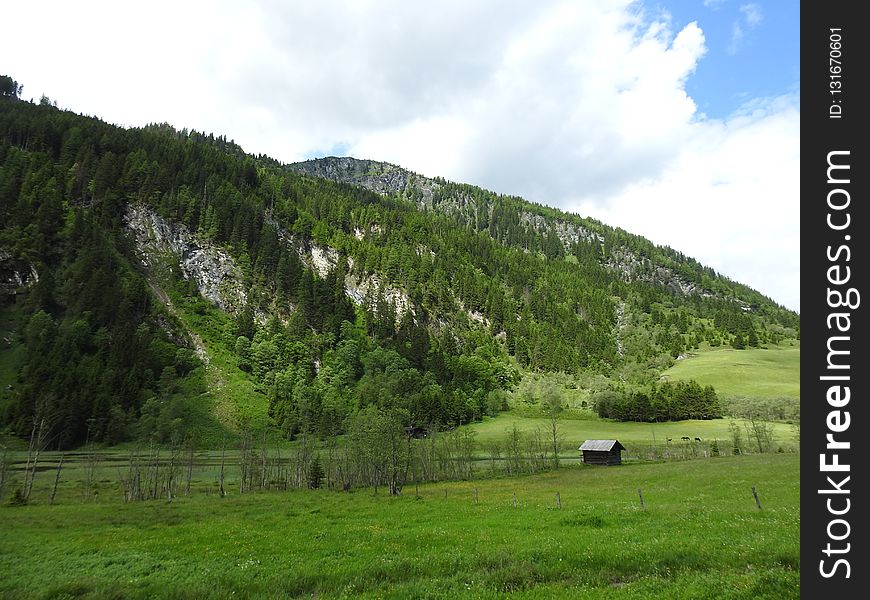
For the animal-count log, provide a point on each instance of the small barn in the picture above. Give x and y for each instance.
(602, 452)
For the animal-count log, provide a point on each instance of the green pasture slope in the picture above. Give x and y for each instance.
(701, 536)
(772, 372)
(574, 431)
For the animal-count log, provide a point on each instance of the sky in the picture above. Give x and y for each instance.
(674, 119)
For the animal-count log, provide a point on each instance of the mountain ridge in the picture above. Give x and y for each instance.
(388, 179)
(426, 301)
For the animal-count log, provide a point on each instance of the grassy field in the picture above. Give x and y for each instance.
(754, 372)
(574, 431)
(701, 536)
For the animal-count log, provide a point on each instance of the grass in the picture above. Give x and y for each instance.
(232, 394)
(701, 536)
(772, 372)
(574, 431)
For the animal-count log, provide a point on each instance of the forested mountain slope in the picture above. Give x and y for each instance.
(421, 303)
(536, 228)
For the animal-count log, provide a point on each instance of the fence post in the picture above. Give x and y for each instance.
(755, 494)
(558, 501)
(515, 499)
(476, 499)
(640, 495)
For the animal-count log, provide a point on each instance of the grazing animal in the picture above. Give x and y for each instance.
(697, 439)
(685, 438)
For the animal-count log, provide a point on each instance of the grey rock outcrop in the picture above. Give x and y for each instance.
(217, 277)
(15, 274)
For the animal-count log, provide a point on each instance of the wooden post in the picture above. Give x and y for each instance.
(56, 479)
(156, 493)
(171, 475)
(558, 501)
(640, 495)
(445, 493)
(189, 470)
(3, 466)
(755, 494)
(221, 489)
(515, 499)
(476, 497)
(417, 490)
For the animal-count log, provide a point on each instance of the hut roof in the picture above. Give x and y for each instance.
(602, 445)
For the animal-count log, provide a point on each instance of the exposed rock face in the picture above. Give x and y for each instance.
(632, 267)
(322, 259)
(357, 285)
(216, 275)
(379, 177)
(15, 275)
(568, 233)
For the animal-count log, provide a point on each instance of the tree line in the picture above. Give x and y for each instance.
(667, 401)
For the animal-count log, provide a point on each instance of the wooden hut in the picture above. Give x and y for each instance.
(602, 452)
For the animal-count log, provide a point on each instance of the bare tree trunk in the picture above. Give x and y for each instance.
(137, 492)
(189, 470)
(432, 431)
(554, 436)
(156, 490)
(330, 454)
(4, 462)
(170, 476)
(222, 491)
(131, 483)
(37, 439)
(29, 458)
(56, 480)
(264, 475)
(246, 475)
(90, 472)
(243, 464)
(279, 469)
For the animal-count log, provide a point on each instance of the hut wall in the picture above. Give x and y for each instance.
(615, 457)
(593, 457)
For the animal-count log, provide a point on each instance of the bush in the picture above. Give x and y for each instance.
(714, 448)
(17, 498)
(315, 474)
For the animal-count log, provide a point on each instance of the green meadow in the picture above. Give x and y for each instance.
(772, 372)
(573, 431)
(700, 536)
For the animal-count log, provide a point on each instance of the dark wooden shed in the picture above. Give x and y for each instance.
(602, 452)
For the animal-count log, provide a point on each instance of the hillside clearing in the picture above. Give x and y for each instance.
(772, 372)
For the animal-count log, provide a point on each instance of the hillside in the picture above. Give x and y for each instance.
(148, 271)
(536, 228)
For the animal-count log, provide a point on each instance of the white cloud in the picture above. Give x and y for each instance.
(576, 103)
(750, 18)
(728, 198)
(752, 14)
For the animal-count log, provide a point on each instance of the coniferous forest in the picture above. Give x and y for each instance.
(424, 317)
